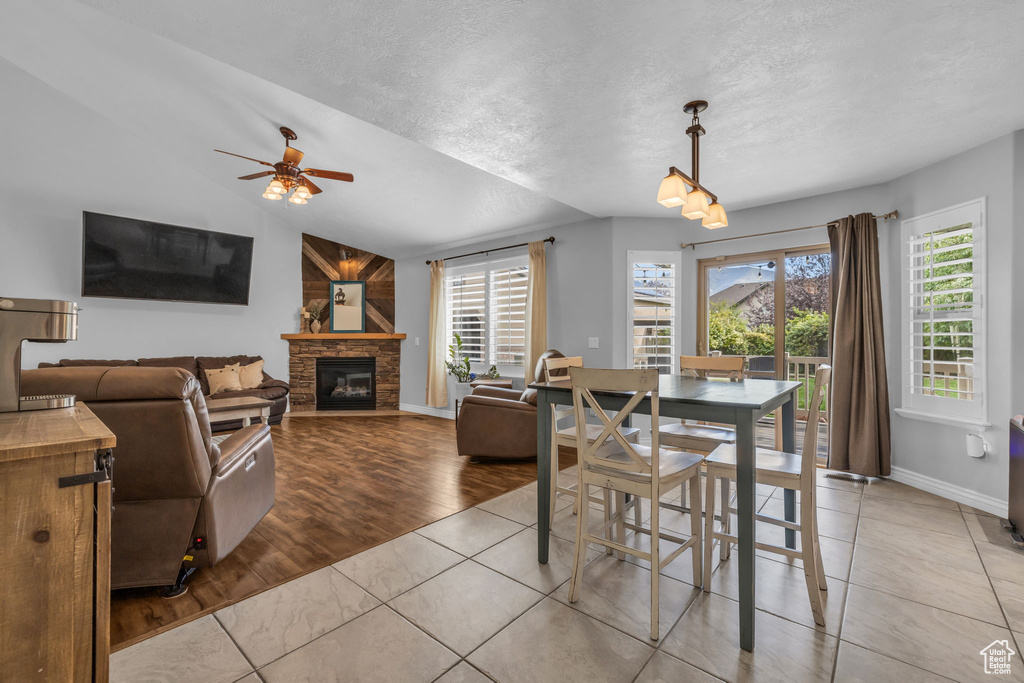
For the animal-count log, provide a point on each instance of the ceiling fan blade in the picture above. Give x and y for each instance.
(309, 183)
(292, 156)
(254, 176)
(265, 163)
(331, 175)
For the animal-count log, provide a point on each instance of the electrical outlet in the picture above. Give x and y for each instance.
(593, 342)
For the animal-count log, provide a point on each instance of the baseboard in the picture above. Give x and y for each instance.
(427, 410)
(989, 504)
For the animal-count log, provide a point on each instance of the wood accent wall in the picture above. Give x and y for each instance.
(322, 262)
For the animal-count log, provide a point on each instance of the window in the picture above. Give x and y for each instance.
(943, 314)
(487, 309)
(652, 310)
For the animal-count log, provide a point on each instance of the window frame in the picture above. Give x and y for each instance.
(962, 412)
(488, 267)
(674, 257)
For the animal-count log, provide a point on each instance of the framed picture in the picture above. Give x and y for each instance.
(348, 306)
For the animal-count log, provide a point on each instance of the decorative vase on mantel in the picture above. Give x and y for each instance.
(314, 326)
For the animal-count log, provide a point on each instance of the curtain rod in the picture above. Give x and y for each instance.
(885, 216)
(488, 251)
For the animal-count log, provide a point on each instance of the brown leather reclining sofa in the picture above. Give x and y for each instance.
(501, 423)
(271, 389)
(172, 485)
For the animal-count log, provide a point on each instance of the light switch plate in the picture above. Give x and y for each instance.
(417, 341)
(593, 342)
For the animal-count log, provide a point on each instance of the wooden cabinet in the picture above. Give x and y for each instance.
(55, 559)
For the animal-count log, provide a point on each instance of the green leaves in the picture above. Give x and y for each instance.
(458, 365)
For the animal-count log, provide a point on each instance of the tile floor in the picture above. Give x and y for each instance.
(918, 585)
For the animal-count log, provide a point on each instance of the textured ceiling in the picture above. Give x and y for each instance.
(406, 198)
(579, 101)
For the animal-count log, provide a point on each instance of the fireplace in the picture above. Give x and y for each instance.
(346, 383)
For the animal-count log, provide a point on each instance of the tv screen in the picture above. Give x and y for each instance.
(126, 258)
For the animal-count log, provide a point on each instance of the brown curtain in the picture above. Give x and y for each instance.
(859, 399)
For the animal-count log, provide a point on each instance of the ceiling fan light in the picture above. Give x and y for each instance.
(672, 192)
(716, 217)
(276, 187)
(296, 199)
(271, 195)
(303, 192)
(696, 205)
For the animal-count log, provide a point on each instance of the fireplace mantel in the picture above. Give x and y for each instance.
(343, 335)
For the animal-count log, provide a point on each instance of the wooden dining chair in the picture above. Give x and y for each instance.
(626, 467)
(703, 438)
(786, 470)
(555, 370)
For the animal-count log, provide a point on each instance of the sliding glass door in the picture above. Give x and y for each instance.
(771, 308)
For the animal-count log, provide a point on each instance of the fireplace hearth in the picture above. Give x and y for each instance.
(346, 383)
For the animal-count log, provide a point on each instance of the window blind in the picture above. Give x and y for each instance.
(943, 316)
(467, 312)
(653, 319)
(508, 315)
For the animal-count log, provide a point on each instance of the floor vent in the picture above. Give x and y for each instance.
(847, 477)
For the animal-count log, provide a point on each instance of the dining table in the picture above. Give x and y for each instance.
(741, 403)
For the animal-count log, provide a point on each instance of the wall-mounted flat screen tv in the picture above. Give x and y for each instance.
(126, 258)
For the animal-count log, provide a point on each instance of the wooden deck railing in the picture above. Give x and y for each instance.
(801, 369)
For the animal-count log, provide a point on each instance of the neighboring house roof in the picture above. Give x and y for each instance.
(738, 293)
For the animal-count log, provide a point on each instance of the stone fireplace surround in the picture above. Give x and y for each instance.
(304, 349)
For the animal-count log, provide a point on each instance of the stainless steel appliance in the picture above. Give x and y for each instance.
(37, 320)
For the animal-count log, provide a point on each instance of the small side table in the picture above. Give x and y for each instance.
(244, 409)
(497, 383)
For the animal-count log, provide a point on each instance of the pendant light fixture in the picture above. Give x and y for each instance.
(679, 189)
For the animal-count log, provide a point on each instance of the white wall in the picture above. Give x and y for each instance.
(61, 158)
(591, 301)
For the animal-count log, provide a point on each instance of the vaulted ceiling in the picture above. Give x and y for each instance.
(468, 118)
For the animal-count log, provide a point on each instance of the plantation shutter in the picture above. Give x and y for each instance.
(944, 324)
(508, 315)
(486, 307)
(467, 312)
(653, 341)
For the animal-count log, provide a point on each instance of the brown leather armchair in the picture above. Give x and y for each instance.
(501, 423)
(172, 485)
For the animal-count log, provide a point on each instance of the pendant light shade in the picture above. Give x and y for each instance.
(271, 195)
(696, 205)
(296, 199)
(698, 202)
(716, 217)
(303, 192)
(672, 191)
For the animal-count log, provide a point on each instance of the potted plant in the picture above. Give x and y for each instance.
(315, 310)
(458, 365)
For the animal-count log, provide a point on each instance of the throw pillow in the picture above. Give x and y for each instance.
(225, 379)
(251, 375)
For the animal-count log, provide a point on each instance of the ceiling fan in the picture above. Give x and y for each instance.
(287, 174)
